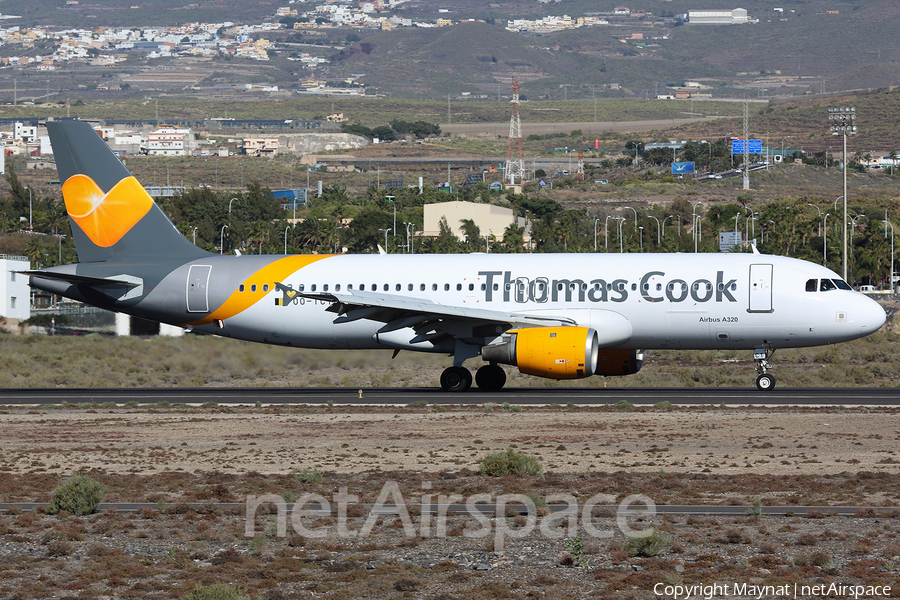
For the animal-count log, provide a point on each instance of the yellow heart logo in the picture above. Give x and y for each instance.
(105, 218)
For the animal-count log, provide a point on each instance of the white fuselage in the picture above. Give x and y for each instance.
(646, 301)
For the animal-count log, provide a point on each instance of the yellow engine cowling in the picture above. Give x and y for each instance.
(552, 352)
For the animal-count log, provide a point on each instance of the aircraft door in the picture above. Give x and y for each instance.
(760, 288)
(198, 288)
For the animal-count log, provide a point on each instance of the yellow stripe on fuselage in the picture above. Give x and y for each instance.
(277, 270)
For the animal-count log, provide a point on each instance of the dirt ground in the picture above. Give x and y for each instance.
(703, 455)
(728, 441)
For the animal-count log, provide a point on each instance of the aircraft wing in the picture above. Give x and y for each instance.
(398, 312)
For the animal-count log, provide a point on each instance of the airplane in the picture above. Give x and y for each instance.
(558, 316)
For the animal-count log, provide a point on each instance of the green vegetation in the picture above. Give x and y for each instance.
(509, 462)
(79, 495)
(649, 545)
(308, 476)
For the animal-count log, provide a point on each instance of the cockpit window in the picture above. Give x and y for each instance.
(812, 285)
(842, 285)
(827, 286)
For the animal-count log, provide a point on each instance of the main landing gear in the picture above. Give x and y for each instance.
(489, 378)
(764, 382)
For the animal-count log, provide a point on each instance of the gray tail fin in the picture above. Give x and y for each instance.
(111, 214)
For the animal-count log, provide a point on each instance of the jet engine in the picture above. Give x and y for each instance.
(619, 362)
(552, 352)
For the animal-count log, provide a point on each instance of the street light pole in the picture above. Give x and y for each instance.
(845, 117)
(892, 253)
(595, 233)
(285, 239)
(30, 228)
(825, 239)
(620, 220)
(693, 222)
(606, 232)
(385, 237)
(642, 237)
(819, 211)
(222, 239)
(391, 200)
(658, 229)
(194, 233)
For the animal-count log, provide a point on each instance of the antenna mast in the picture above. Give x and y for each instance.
(515, 158)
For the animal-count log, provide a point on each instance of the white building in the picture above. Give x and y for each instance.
(490, 219)
(719, 17)
(15, 294)
(26, 133)
(170, 141)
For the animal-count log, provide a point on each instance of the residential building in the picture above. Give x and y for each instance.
(490, 219)
(15, 294)
(170, 142)
(259, 146)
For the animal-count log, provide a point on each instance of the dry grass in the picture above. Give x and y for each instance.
(95, 361)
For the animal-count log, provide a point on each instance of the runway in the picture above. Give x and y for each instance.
(516, 396)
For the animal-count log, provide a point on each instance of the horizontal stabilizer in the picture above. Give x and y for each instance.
(122, 287)
(82, 279)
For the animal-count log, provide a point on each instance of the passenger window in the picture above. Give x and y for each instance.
(312, 288)
(621, 287)
(337, 287)
(349, 286)
(733, 287)
(646, 287)
(265, 287)
(811, 285)
(387, 287)
(398, 287)
(483, 287)
(421, 287)
(670, 287)
(683, 287)
(708, 287)
(584, 287)
(471, 287)
(325, 288)
(241, 289)
(496, 286)
(633, 287)
(458, 287)
(409, 287)
(433, 287)
(253, 287)
(301, 287)
(446, 287)
(827, 286)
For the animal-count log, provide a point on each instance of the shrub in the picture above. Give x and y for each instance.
(308, 475)
(509, 462)
(79, 495)
(650, 545)
(216, 591)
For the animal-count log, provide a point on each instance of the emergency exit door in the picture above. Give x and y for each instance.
(198, 288)
(761, 288)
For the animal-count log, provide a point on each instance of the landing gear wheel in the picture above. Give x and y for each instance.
(765, 382)
(456, 379)
(490, 378)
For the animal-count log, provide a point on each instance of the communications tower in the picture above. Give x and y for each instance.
(515, 157)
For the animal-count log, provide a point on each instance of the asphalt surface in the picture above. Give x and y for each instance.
(391, 509)
(403, 396)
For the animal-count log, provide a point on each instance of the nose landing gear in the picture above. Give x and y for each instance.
(764, 382)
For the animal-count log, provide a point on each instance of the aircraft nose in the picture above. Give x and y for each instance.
(871, 316)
